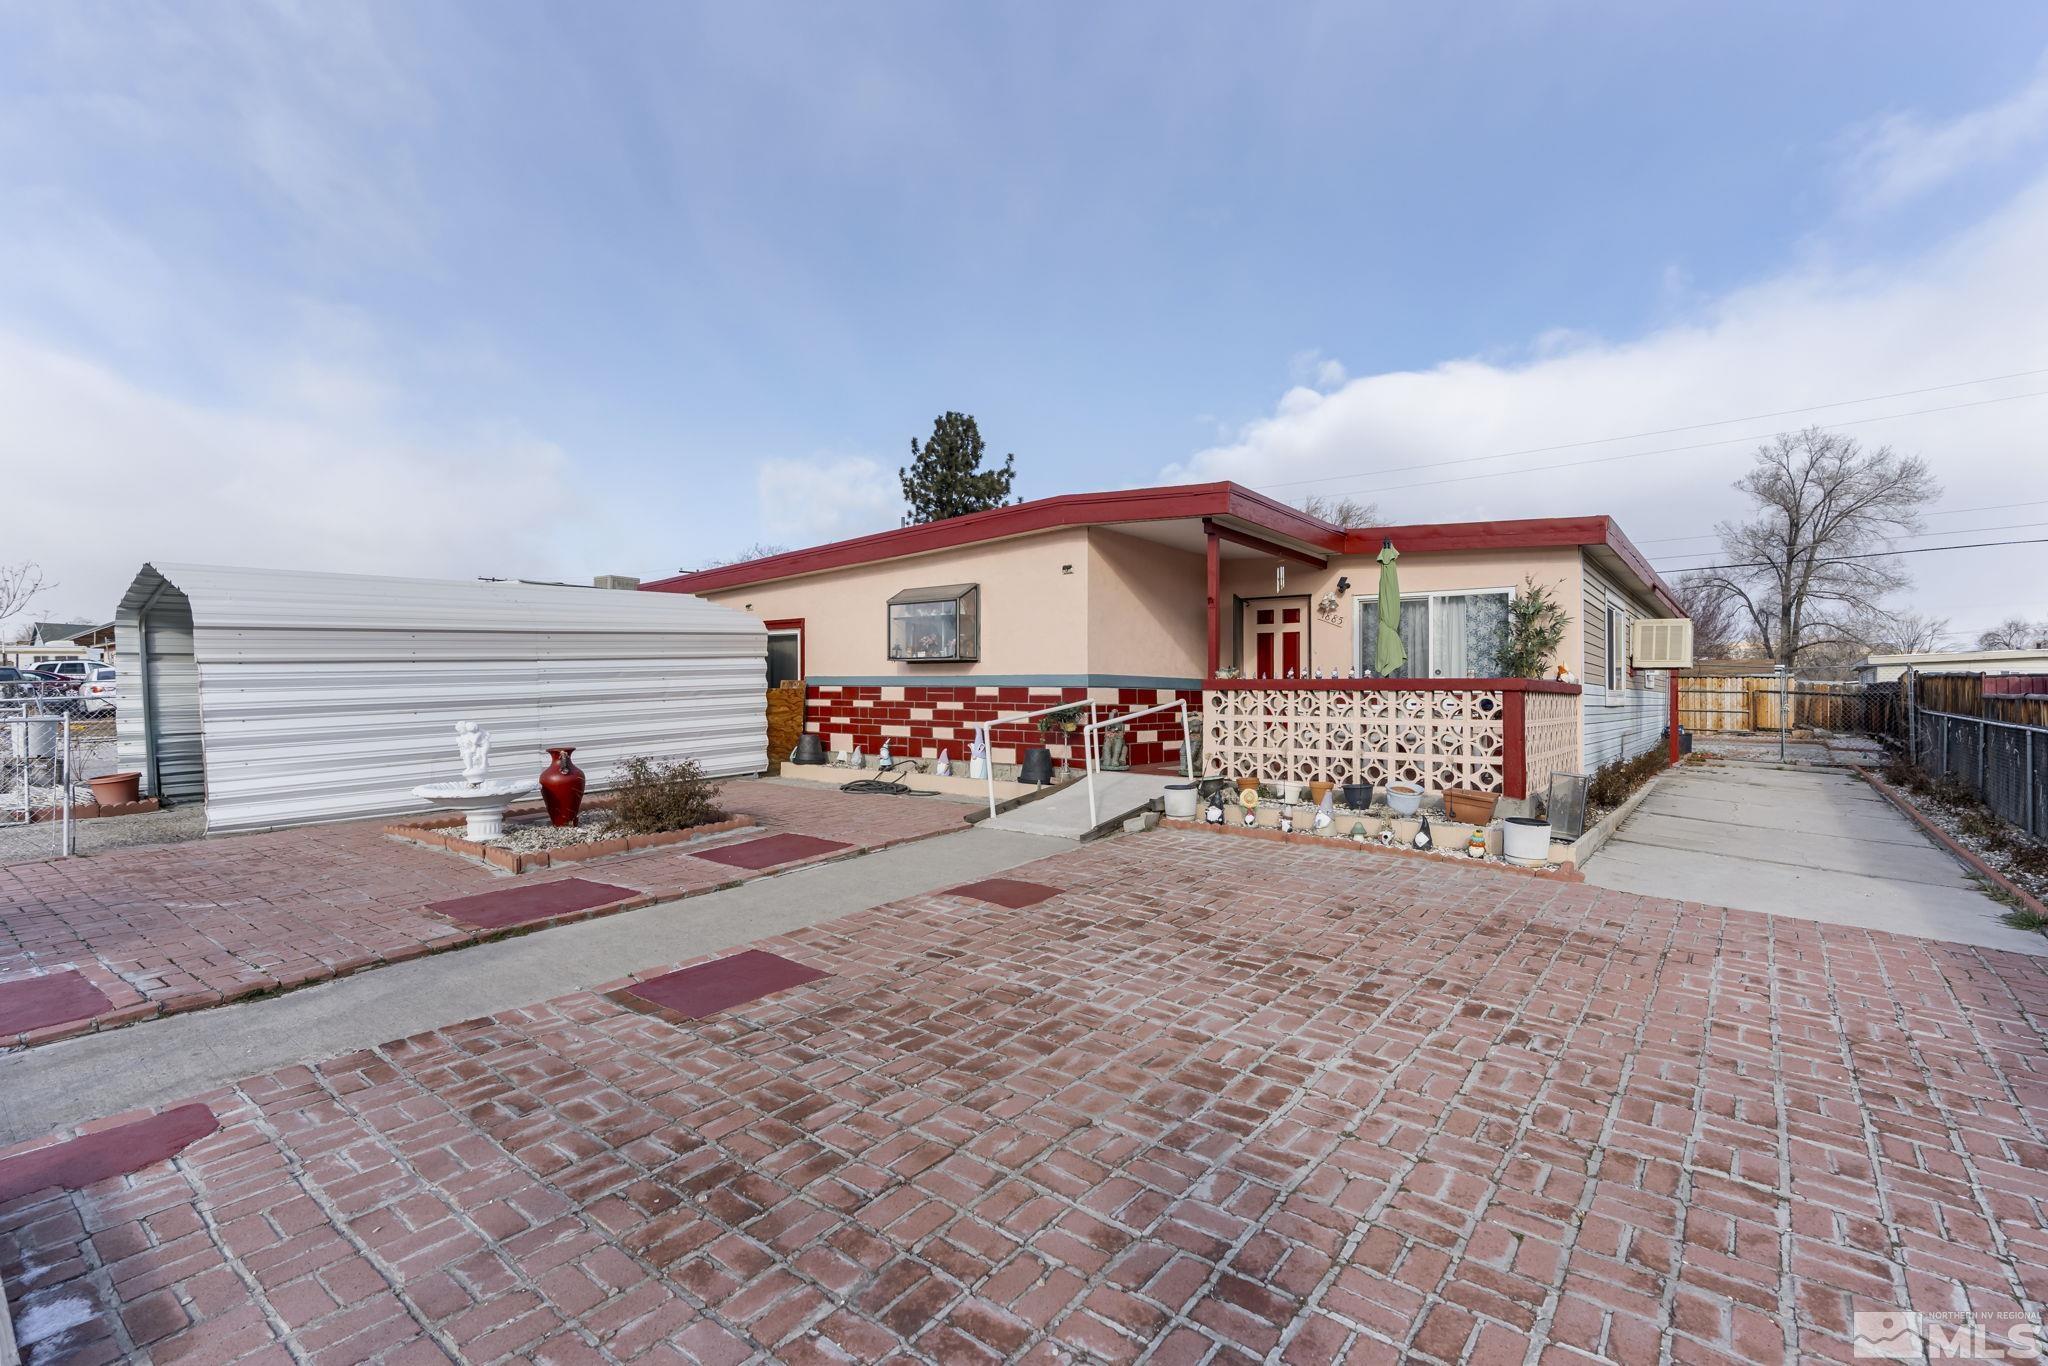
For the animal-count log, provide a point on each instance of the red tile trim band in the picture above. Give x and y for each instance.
(78, 1162)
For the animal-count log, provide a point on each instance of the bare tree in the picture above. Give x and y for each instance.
(1340, 510)
(2015, 634)
(759, 550)
(1715, 628)
(20, 585)
(1811, 563)
(1902, 633)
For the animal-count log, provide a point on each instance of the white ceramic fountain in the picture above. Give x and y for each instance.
(479, 797)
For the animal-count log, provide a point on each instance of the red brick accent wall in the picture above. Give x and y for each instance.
(919, 721)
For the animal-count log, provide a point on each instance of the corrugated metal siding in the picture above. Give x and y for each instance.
(177, 771)
(326, 696)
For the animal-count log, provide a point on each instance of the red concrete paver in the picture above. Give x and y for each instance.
(184, 926)
(1219, 1100)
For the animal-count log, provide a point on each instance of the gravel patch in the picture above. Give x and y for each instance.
(539, 838)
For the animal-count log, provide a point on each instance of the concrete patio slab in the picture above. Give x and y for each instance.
(1815, 844)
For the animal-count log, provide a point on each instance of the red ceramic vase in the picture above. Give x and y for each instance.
(561, 787)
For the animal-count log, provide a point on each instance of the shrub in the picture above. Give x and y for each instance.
(1612, 785)
(653, 795)
(1535, 628)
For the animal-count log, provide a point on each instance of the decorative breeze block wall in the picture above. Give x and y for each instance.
(1439, 739)
(1550, 724)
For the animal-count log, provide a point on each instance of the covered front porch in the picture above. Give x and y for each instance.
(1266, 716)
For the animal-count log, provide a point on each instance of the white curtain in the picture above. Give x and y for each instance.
(1414, 636)
(1467, 631)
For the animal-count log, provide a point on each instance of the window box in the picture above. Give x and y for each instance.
(940, 624)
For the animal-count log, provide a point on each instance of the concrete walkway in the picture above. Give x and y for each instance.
(1818, 844)
(1064, 814)
(61, 1084)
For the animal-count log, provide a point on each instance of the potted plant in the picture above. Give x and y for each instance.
(1536, 626)
(1470, 805)
(116, 789)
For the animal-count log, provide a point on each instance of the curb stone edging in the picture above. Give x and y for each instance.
(1563, 873)
(1962, 852)
(1592, 841)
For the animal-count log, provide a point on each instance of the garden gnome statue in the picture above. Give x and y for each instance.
(945, 764)
(883, 760)
(1326, 810)
(1213, 813)
(977, 756)
(475, 743)
(1286, 820)
(1424, 837)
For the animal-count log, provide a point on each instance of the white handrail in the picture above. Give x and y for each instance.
(1089, 743)
(988, 766)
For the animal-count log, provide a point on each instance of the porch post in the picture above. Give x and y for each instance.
(1215, 589)
(1672, 674)
(1514, 744)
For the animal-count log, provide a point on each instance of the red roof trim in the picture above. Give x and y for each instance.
(1021, 519)
(1530, 533)
(1169, 503)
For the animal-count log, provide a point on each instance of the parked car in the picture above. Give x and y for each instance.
(99, 694)
(70, 670)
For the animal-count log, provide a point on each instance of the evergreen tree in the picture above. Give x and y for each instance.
(945, 478)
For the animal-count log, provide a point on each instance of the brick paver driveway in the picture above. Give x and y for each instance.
(1220, 1099)
(182, 926)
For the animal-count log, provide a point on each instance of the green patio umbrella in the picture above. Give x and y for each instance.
(1389, 654)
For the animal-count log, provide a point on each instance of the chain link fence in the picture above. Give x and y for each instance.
(39, 775)
(2003, 763)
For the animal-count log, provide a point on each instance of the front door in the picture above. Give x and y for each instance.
(1279, 639)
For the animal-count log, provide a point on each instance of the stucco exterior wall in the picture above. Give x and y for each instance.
(1330, 643)
(1034, 610)
(1147, 608)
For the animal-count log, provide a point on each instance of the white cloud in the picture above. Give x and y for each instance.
(1968, 308)
(1902, 156)
(825, 498)
(104, 475)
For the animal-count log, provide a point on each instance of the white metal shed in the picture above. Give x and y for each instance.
(283, 697)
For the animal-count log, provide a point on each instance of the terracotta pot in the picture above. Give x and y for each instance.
(1318, 791)
(1246, 784)
(561, 787)
(1473, 808)
(116, 789)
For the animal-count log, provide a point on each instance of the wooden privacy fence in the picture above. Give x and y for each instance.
(1707, 705)
(2021, 699)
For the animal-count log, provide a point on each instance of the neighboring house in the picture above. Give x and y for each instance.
(85, 638)
(1891, 668)
(1144, 595)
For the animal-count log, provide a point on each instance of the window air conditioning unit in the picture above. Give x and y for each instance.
(1660, 643)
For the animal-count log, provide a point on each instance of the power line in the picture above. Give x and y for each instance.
(1939, 512)
(1670, 431)
(1952, 531)
(1662, 450)
(1871, 555)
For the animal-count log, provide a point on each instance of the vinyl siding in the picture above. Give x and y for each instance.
(1635, 724)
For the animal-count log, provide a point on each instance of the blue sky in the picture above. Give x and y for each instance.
(553, 290)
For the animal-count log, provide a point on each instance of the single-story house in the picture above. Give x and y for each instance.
(1891, 668)
(1260, 617)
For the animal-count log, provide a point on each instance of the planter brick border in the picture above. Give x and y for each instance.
(1559, 874)
(430, 834)
(1963, 852)
(94, 811)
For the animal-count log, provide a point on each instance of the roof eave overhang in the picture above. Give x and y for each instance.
(1532, 533)
(1220, 501)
